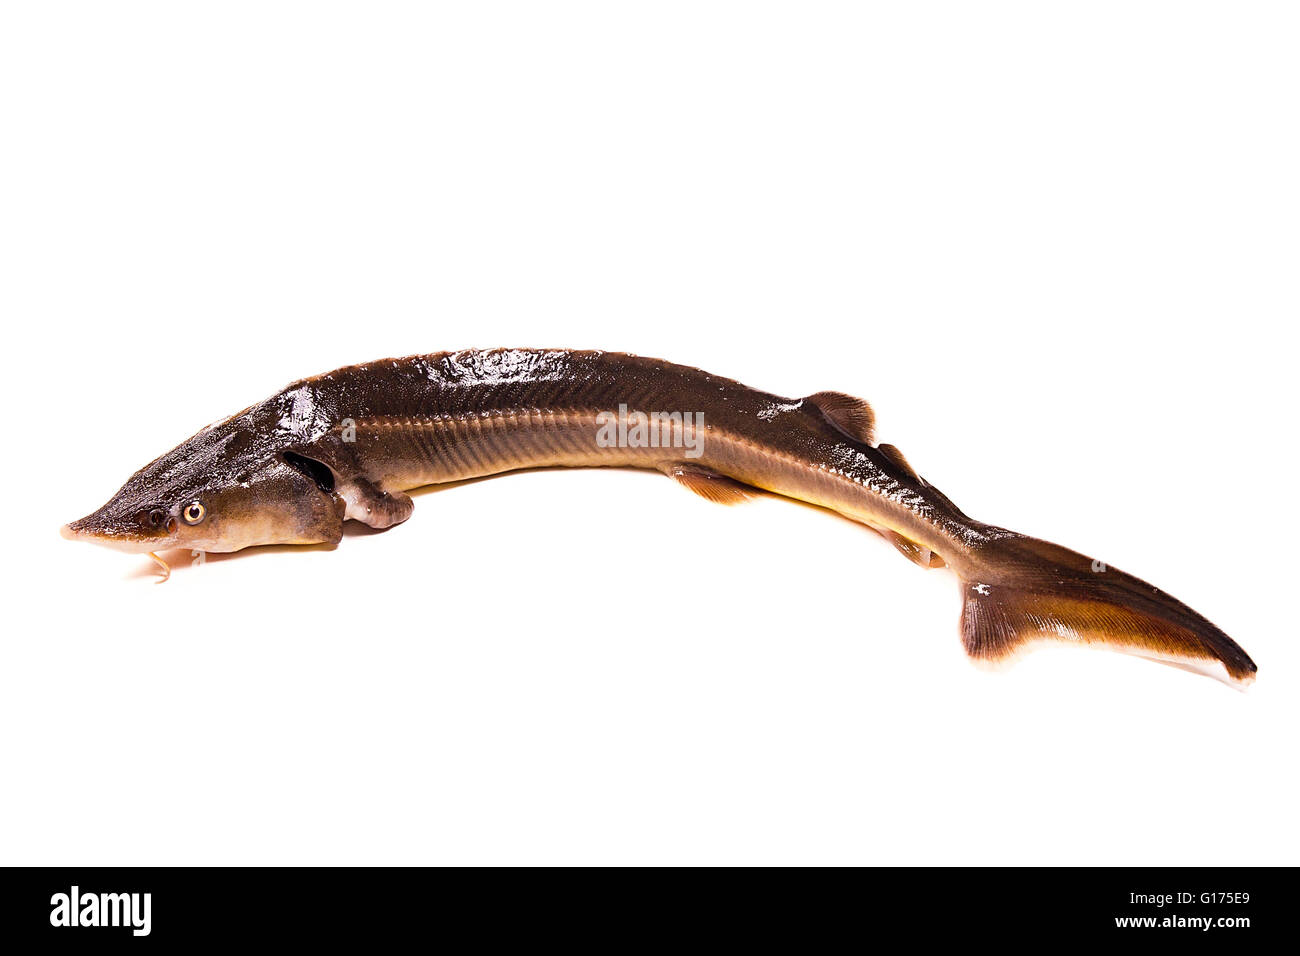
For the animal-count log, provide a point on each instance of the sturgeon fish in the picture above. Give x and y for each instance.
(350, 443)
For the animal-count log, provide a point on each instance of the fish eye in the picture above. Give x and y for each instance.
(194, 512)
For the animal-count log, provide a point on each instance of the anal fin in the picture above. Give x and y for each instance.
(916, 553)
(709, 484)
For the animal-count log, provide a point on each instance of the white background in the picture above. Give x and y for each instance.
(1055, 245)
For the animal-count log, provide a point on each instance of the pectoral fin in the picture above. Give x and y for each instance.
(369, 504)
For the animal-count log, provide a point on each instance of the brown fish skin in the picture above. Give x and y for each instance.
(350, 443)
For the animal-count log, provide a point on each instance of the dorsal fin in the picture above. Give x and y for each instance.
(896, 458)
(851, 416)
(939, 495)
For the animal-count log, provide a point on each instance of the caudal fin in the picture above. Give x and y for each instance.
(1023, 590)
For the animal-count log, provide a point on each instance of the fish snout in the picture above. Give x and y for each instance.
(83, 529)
(129, 534)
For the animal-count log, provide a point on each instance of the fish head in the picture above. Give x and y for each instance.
(223, 490)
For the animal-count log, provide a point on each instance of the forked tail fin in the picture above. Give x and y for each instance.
(1022, 590)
